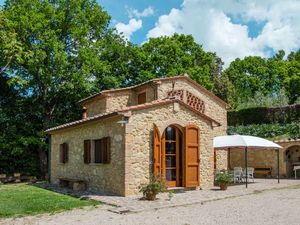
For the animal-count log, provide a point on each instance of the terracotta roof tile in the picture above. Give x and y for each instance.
(78, 122)
(130, 108)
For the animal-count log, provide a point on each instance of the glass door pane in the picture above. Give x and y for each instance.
(171, 174)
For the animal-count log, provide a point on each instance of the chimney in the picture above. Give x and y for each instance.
(84, 113)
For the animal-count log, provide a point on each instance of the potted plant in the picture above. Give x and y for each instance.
(156, 185)
(171, 195)
(223, 179)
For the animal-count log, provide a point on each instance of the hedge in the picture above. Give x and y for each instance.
(291, 130)
(264, 115)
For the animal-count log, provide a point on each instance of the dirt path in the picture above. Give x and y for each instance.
(270, 207)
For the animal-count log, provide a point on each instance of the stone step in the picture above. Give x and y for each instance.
(177, 189)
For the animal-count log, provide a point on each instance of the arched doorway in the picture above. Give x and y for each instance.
(172, 155)
(292, 156)
(176, 155)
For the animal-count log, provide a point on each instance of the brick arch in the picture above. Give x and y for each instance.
(162, 126)
(290, 146)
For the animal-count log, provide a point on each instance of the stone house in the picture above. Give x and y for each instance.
(163, 126)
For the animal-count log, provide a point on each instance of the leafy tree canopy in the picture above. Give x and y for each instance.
(171, 56)
(270, 77)
(53, 53)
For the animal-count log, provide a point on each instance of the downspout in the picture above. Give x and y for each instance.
(49, 158)
(154, 86)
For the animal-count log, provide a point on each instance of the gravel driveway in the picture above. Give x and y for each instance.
(269, 207)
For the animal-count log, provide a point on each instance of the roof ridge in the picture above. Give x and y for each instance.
(182, 76)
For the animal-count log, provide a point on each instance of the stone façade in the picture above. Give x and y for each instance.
(132, 142)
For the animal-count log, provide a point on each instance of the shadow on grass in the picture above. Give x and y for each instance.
(30, 199)
(82, 195)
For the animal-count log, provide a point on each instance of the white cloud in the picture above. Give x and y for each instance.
(130, 28)
(209, 23)
(149, 11)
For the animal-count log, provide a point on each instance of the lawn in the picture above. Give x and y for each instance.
(24, 199)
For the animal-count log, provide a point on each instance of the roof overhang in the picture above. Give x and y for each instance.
(127, 112)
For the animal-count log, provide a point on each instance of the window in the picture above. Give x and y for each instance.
(87, 151)
(142, 98)
(97, 151)
(63, 153)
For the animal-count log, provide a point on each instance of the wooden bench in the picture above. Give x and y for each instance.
(74, 184)
(262, 171)
(6, 179)
(3, 178)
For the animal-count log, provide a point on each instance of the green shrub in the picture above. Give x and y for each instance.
(156, 185)
(223, 178)
(291, 130)
(264, 115)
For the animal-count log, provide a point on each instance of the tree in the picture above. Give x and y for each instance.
(53, 52)
(171, 56)
(19, 137)
(255, 74)
(292, 78)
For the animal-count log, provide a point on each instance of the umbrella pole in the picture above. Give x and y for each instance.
(246, 165)
(278, 166)
(228, 158)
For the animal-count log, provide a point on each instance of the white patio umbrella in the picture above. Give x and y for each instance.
(246, 142)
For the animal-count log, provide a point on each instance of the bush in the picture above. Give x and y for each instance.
(155, 186)
(264, 115)
(291, 130)
(261, 100)
(223, 178)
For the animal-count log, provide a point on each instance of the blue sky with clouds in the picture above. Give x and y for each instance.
(231, 28)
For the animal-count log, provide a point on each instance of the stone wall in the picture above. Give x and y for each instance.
(101, 177)
(221, 160)
(268, 158)
(150, 93)
(139, 143)
(258, 158)
(119, 100)
(95, 107)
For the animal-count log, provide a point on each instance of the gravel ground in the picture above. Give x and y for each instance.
(269, 207)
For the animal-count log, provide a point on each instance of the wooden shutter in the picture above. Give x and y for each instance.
(87, 152)
(191, 177)
(215, 159)
(106, 149)
(65, 154)
(156, 151)
(142, 98)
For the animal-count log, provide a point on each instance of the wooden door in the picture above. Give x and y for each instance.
(157, 151)
(142, 98)
(192, 145)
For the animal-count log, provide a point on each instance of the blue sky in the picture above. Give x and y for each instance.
(118, 9)
(231, 28)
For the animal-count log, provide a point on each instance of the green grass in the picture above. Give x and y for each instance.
(23, 199)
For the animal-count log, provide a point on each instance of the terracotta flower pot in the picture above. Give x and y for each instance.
(223, 186)
(150, 196)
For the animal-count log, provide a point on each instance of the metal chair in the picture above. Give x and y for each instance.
(237, 174)
(250, 174)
